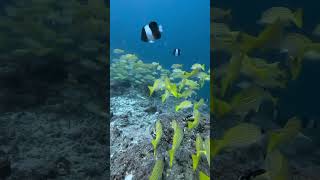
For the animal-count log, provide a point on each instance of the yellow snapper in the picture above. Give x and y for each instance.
(283, 14)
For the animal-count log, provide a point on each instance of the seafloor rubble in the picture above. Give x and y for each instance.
(53, 123)
(133, 119)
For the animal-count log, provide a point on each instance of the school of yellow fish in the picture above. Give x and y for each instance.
(242, 83)
(229, 93)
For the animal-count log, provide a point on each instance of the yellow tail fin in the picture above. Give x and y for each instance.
(298, 18)
(153, 142)
(171, 155)
(203, 176)
(195, 161)
(151, 90)
(295, 65)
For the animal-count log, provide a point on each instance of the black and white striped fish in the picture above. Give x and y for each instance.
(151, 32)
(176, 52)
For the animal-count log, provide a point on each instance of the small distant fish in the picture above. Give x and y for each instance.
(157, 170)
(297, 45)
(159, 67)
(184, 105)
(176, 52)
(294, 44)
(220, 30)
(176, 66)
(220, 14)
(283, 14)
(151, 32)
(155, 63)
(118, 51)
(198, 66)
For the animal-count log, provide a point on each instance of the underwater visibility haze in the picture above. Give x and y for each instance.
(159, 84)
(186, 25)
(263, 122)
(53, 114)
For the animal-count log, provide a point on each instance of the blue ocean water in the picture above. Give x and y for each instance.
(186, 25)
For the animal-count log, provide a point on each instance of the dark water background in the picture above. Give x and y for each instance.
(302, 96)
